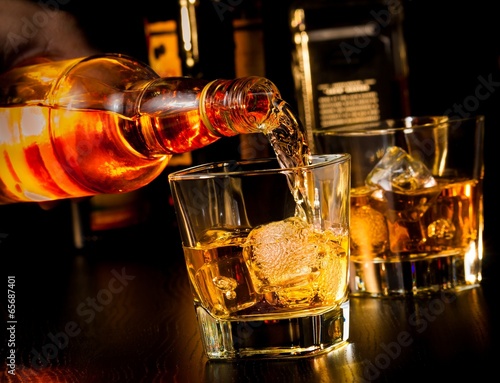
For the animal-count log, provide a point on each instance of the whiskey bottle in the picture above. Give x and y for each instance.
(349, 62)
(109, 124)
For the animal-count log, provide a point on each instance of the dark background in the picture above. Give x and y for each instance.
(450, 48)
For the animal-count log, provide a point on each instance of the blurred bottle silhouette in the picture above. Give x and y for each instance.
(249, 59)
(349, 62)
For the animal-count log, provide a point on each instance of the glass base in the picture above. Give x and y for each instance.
(274, 338)
(419, 276)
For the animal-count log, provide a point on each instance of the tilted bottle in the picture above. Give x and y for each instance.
(109, 124)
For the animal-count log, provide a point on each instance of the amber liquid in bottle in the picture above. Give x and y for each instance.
(109, 124)
(90, 153)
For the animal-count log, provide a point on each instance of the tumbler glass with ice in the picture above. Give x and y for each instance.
(416, 203)
(267, 254)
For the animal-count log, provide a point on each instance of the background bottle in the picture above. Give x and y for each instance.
(206, 50)
(249, 60)
(109, 124)
(349, 61)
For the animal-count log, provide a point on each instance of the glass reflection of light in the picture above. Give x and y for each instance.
(344, 357)
(474, 255)
(471, 259)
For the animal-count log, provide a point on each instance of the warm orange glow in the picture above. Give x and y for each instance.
(60, 153)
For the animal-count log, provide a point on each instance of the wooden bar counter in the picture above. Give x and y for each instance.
(125, 314)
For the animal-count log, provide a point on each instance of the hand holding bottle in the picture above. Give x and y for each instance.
(102, 123)
(108, 124)
(31, 31)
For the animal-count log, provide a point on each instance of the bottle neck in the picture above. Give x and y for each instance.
(240, 106)
(178, 115)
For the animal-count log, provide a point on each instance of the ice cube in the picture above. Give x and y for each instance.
(398, 171)
(280, 254)
(369, 234)
(291, 254)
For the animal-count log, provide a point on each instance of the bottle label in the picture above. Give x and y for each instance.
(348, 73)
(346, 83)
(346, 102)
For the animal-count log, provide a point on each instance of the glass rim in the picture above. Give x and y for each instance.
(209, 169)
(394, 125)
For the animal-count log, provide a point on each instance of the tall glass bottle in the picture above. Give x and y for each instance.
(109, 124)
(205, 47)
(190, 47)
(349, 62)
(249, 60)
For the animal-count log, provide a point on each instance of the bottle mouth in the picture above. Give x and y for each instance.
(242, 105)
